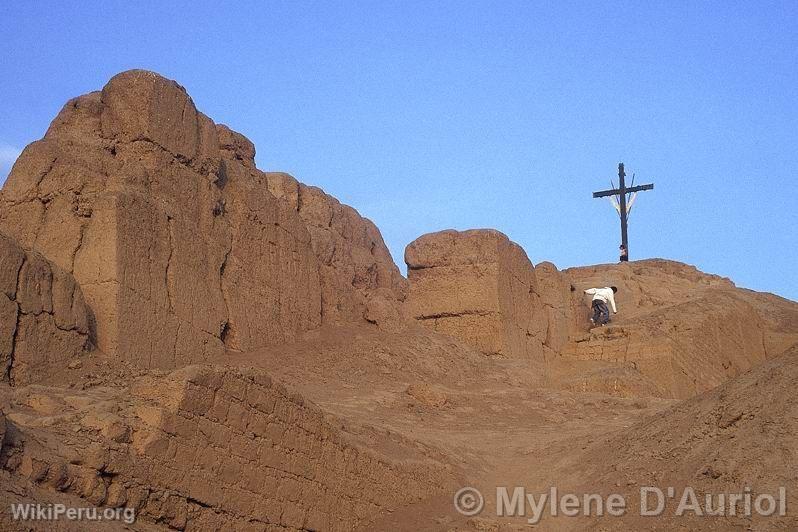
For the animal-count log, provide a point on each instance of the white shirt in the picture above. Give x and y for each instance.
(603, 294)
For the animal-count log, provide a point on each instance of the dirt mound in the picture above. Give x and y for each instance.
(740, 435)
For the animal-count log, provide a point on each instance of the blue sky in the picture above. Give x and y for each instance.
(434, 115)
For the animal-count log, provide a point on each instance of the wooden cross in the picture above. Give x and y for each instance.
(621, 192)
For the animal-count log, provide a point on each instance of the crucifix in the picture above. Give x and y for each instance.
(623, 206)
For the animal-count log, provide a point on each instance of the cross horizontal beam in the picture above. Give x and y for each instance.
(616, 191)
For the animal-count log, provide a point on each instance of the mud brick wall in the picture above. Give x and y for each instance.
(241, 448)
(724, 339)
(210, 448)
(355, 265)
(480, 287)
(44, 321)
(166, 224)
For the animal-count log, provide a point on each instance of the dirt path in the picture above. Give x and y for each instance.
(492, 419)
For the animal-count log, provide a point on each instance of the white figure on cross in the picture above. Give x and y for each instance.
(617, 204)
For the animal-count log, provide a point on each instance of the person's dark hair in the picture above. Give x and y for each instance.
(614, 289)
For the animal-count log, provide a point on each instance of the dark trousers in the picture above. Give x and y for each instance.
(601, 313)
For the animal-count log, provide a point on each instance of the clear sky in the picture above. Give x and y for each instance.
(434, 115)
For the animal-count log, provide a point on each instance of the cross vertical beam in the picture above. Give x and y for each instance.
(622, 188)
(623, 205)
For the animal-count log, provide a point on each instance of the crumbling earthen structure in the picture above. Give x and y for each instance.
(181, 249)
(44, 321)
(678, 332)
(216, 347)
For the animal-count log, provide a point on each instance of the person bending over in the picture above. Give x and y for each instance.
(602, 296)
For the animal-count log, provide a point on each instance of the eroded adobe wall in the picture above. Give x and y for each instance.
(480, 287)
(358, 275)
(166, 224)
(678, 331)
(44, 321)
(208, 448)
